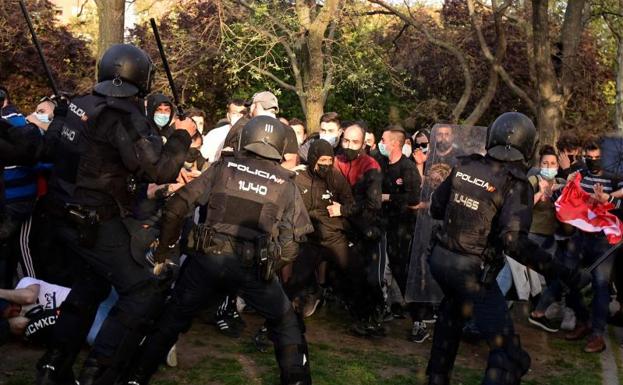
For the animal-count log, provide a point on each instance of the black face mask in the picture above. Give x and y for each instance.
(350, 154)
(571, 158)
(323, 170)
(593, 165)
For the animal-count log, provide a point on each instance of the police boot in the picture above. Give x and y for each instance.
(54, 368)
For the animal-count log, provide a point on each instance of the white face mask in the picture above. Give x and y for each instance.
(329, 138)
(161, 120)
(43, 118)
(407, 150)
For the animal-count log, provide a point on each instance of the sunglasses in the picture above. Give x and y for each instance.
(423, 146)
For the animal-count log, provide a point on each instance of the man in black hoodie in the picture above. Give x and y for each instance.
(320, 185)
(159, 110)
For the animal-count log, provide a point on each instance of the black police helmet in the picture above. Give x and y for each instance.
(512, 137)
(264, 136)
(124, 70)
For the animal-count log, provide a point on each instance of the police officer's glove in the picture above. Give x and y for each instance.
(62, 106)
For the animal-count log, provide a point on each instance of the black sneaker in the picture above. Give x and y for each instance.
(236, 320)
(543, 323)
(419, 333)
(226, 327)
(367, 329)
(260, 340)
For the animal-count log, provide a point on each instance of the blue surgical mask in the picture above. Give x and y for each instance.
(383, 149)
(548, 173)
(161, 120)
(43, 118)
(329, 138)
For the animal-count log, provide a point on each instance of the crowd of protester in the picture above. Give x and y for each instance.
(365, 190)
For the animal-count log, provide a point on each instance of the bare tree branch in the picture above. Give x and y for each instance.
(454, 51)
(496, 60)
(270, 75)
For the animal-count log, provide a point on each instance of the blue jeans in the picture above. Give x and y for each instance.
(591, 246)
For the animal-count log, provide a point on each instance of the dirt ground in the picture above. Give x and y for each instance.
(207, 357)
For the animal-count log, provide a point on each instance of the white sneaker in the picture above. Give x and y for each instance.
(568, 319)
(554, 311)
(172, 357)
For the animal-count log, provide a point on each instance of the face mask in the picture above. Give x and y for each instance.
(161, 120)
(407, 150)
(323, 170)
(383, 149)
(43, 118)
(548, 173)
(593, 165)
(350, 154)
(329, 138)
(571, 158)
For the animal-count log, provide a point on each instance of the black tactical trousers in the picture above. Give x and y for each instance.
(464, 298)
(399, 235)
(107, 263)
(203, 281)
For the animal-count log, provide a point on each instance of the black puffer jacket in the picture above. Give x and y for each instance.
(318, 193)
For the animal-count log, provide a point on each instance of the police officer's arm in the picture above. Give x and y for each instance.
(441, 197)
(137, 153)
(18, 144)
(180, 205)
(294, 225)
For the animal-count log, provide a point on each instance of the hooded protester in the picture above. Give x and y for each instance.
(320, 185)
(159, 111)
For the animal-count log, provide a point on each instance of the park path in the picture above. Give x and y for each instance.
(609, 369)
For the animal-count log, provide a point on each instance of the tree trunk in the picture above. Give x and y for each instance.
(111, 17)
(618, 115)
(550, 101)
(315, 109)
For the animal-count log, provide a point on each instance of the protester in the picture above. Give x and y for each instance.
(589, 247)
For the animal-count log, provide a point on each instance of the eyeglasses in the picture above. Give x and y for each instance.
(423, 146)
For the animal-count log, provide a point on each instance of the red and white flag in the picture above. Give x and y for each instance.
(576, 207)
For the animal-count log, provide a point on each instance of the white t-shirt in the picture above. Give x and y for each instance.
(213, 143)
(50, 296)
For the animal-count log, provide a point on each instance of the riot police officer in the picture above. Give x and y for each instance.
(103, 147)
(486, 206)
(255, 219)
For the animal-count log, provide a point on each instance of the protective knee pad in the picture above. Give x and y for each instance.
(294, 364)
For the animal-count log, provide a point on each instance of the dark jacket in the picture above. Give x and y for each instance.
(365, 179)
(319, 193)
